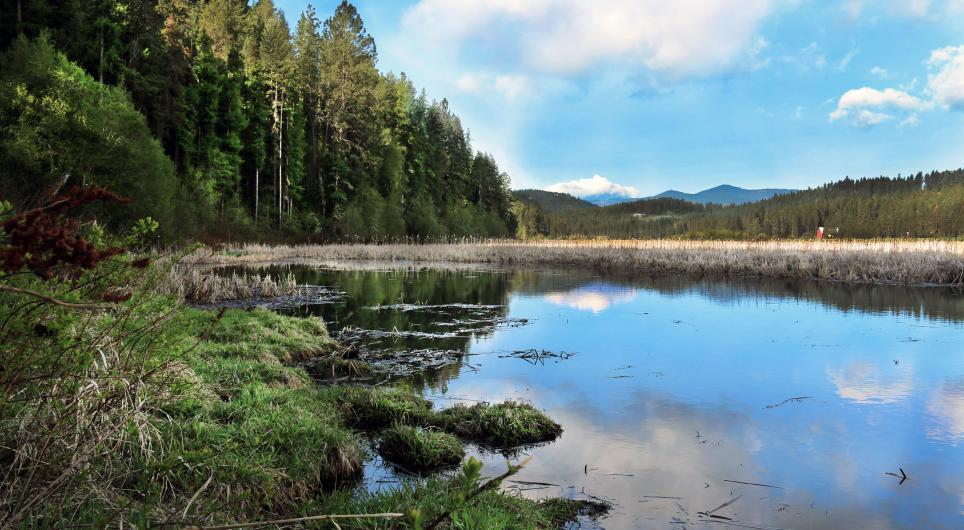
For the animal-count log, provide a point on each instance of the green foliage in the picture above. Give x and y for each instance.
(268, 133)
(59, 126)
(142, 233)
(418, 449)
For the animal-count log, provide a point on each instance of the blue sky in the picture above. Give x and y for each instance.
(638, 96)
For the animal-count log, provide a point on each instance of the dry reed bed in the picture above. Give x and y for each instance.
(925, 262)
(198, 286)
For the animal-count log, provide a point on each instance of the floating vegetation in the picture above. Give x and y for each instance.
(502, 425)
(534, 356)
(418, 449)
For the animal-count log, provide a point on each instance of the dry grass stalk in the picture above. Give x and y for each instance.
(194, 285)
(908, 262)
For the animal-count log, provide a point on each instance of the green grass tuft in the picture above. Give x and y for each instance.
(375, 408)
(507, 424)
(417, 449)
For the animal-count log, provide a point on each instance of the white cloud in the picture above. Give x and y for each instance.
(911, 121)
(845, 61)
(597, 185)
(512, 87)
(869, 118)
(853, 8)
(681, 38)
(865, 106)
(878, 72)
(470, 82)
(947, 83)
(912, 8)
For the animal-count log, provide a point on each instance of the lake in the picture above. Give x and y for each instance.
(803, 401)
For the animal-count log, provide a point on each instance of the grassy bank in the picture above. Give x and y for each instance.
(229, 429)
(911, 262)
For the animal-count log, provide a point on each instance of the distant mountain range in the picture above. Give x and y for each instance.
(554, 202)
(724, 194)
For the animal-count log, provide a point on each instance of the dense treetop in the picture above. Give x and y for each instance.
(249, 126)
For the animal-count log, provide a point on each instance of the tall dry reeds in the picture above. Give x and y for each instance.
(908, 262)
(199, 286)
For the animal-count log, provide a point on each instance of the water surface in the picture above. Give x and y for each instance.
(673, 391)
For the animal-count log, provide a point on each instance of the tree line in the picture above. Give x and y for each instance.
(216, 118)
(921, 205)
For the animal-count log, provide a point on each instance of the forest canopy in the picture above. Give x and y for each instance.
(218, 118)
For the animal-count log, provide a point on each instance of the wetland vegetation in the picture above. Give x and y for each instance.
(909, 262)
(415, 351)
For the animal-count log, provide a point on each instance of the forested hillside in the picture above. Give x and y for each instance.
(552, 201)
(216, 118)
(930, 205)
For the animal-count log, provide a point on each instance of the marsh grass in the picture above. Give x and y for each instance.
(376, 408)
(418, 449)
(501, 425)
(246, 418)
(491, 510)
(206, 287)
(910, 262)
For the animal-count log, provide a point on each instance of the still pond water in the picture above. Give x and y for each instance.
(675, 392)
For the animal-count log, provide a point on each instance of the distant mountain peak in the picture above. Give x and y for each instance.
(724, 194)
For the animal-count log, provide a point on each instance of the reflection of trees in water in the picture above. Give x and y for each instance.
(437, 325)
(444, 310)
(927, 302)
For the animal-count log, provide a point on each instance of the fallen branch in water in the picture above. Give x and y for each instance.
(753, 484)
(903, 476)
(788, 400)
(720, 507)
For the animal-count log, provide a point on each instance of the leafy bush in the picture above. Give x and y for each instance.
(59, 126)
